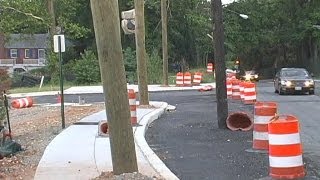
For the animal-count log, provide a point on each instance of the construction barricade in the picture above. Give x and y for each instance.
(22, 103)
(235, 89)
(179, 79)
(187, 79)
(229, 88)
(197, 77)
(210, 68)
(263, 113)
(133, 106)
(285, 149)
(249, 93)
(241, 88)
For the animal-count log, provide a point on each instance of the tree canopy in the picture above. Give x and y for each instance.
(277, 33)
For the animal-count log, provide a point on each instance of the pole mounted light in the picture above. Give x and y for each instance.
(243, 16)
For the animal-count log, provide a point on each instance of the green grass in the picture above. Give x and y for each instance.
(37, 89)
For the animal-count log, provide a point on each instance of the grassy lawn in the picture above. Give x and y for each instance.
(37, 89)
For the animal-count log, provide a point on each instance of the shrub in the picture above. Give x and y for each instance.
(4, 86)
(154, 68)
(87, 69)
(130, 64)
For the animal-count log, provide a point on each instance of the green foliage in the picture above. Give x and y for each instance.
(154, 68)
(130, 64)
(4, 86)
(87, 69)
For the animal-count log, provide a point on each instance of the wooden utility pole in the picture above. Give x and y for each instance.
(50, 5)
(164, 19)
(220, 65)
(106, 23)
(141, 52)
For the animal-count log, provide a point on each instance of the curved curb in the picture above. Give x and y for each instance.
(152, 158)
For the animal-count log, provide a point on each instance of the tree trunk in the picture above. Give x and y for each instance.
(50, 4)
(164, 16)
(106, 23)
(141, 53)
(220, 65)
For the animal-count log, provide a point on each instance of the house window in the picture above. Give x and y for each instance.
(27, 53)
(41, 54)
(13, 53)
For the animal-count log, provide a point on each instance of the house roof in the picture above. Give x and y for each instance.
(27, 41)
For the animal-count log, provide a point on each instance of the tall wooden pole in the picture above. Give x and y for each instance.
(106, 23)
(141, 52)
(50, 4)
(164, 18)
(220, 65)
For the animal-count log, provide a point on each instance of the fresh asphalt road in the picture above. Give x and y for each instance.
(231, 157)
(192, 146)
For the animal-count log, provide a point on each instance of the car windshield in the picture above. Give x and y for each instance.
(295, 73)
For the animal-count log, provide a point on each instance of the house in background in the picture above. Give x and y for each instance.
(22, 52)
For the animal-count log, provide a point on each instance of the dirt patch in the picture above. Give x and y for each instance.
(34, 128)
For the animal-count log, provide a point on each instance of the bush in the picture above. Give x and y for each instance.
(130, 64)
(86, 69)
(4, 86)
(154, 68)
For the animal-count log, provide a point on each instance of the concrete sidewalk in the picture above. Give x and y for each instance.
(79, 153)
(98, 89)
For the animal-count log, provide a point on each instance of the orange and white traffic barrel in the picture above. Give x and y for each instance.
(22, 103)
(179, 79)
(263, 113)
(235, 89)
(285, 148)
(241, 88)
(229, 88)
(197, 77)
(249, 93)
(133, 106)
(210, 67)
(187, 79)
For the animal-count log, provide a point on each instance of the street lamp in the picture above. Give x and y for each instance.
(243, 16)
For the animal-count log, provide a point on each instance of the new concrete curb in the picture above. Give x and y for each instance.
(153, 159)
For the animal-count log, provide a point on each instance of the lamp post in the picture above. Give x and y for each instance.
(243, 16)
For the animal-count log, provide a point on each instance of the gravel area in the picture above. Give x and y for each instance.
(34, 128)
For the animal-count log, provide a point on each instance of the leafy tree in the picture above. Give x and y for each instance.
(87, 69)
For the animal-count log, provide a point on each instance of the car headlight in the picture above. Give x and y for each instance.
(256, 76)
(247, 76)
(283, 82)
(288, 83)
(308, 83)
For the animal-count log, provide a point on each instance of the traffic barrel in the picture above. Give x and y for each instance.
(285, 149)
(133, 106)
(235, 89)
(241, 89)
(239, 121)
(22, 103)
(103, 128)
(210, 67)
(249, 93)
(179, 79)
(197, 77)
(187, 79)
(229, 88)
(263, 113)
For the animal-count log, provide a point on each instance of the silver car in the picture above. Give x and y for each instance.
(292, 80)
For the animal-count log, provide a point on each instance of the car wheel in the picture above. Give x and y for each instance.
(311, 92)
